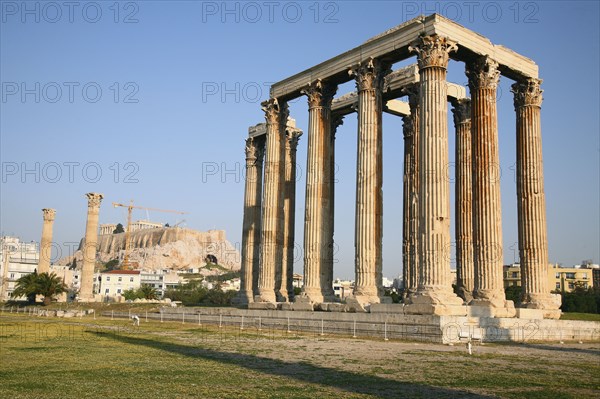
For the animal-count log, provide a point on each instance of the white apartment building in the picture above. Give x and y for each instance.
(16, 259)
(113, 283)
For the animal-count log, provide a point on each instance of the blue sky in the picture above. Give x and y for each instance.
(151, 101)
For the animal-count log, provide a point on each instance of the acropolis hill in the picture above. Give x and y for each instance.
(165, 248)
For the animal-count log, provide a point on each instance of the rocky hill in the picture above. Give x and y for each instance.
(165, 248)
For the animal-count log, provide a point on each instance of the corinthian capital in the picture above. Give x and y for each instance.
(319, 94)
(275, 112)
(370, 74)
(94, 200)
(254, 149)
(48, 214)
(461, 109)
(432, 51)
(483, 73)
(408, 126)
(528, 93)
(292, 136)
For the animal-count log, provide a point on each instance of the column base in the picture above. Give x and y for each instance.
(312, 295)
(465, 294)
(281, 297)
(491, 308)
(243, 298)
(366, 300)
(435, 302)
(549, 304)
(268, 296)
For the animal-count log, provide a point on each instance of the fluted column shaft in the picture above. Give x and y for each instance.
(285, 287)
(46, 242)
(434, 187)
(271, 252)
(369, 180)
(465, 277)
(531, 200)
(410, 195)
(318, 231)
(483, 77)
(89, 250)
(252, 220)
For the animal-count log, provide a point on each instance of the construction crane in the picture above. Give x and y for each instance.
(130, 209)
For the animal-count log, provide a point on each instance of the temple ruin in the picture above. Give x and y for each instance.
(269, 204)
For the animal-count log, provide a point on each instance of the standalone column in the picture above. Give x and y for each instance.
(318, 231)
(465, 277)
(483, 77)
(285, 287)
(410, 196)
(272, 213)
(46, 243)
(369, 180)
(86, 293)
(434, 293)
(251, 229)
(531, 201)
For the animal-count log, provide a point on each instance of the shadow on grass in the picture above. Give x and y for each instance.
(351, 382)
(562, 348)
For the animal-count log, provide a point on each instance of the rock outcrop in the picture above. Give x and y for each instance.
(165, 248)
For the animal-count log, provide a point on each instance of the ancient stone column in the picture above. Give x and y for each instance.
(318, 231)
(336, 121)
(483, 75)
(285, 287)
(410, 195)
(368, 237)
(465, 274)
(86, 293)
(252, 213)
(531, 201)
(46, 243)
(271, 251)
(434, 293)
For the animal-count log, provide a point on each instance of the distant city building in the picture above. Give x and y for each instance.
(114, 283)
(17, 259)
(343, 288)
(559, 278)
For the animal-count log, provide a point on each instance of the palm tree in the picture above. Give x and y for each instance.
(48, 285)
(148, 292)
(27, 286)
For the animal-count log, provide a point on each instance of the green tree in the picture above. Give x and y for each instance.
(119, 229)
(513, 293)
(131, 294)
(46, 284)
(49, 285)
(111, 265)
(147, 292)
(26, 286)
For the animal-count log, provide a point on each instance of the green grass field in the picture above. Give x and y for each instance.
(87, 358)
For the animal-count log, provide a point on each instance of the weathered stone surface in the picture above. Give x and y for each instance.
(302, 306)
(262, 305)
(386, 308)
(284, 306)
(354, 306)
(46, 241)
(89, 249)
(337, 307)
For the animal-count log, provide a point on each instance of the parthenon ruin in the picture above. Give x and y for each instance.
(269, 205)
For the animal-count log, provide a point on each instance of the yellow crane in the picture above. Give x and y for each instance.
(130, 208)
